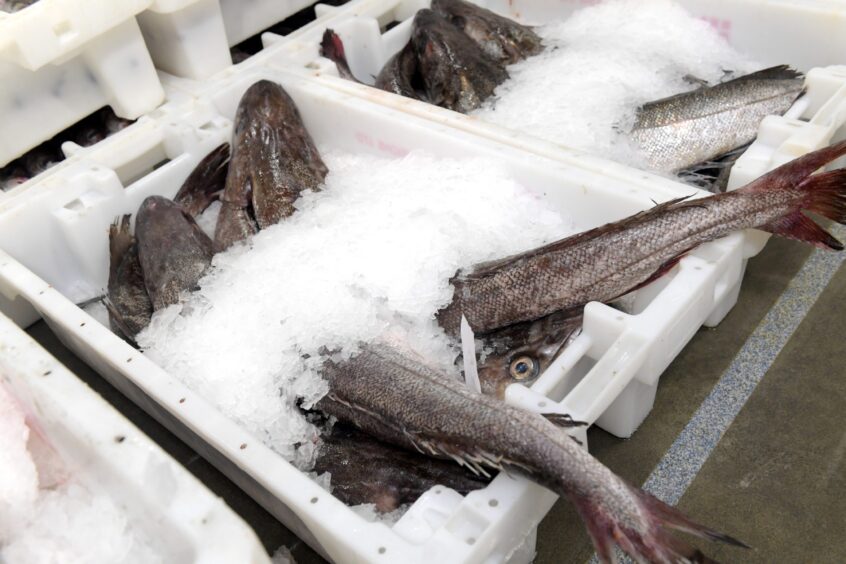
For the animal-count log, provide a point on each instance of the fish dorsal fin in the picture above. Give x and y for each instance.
(484, 269)
(563, 420)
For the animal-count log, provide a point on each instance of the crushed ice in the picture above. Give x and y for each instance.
(56, 522)
(600, 65)
(374, 250)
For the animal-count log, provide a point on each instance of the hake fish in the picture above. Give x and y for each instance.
(273, 161)
(604, 263)
(502, 39)
(457, 74)
(694, 127)
(399, 400)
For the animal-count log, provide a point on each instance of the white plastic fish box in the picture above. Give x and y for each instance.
(802, 34)
(191, 38)
(106, 454)
(61, 60)
(55, 253)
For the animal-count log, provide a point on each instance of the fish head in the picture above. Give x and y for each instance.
(456, 74)
(520, 353)
(172, 249)
(502, 39)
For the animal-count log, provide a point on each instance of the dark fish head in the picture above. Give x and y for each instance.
(502, 39)
(274, 158)
(457, 75)
(173, 250)
(519, 354)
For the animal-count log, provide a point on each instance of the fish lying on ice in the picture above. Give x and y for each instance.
(684, 130)
(604, 263)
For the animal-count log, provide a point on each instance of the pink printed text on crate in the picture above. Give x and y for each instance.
(383, 146)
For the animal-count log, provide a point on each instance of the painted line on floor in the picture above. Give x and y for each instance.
(684, 459)
(688, 453)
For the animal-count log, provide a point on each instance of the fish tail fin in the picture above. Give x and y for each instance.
(332, 48)
(823, 193)
(646, 534)
(120, 240)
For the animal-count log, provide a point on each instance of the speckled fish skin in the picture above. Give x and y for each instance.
(203, 185)
(690, 128)
(273, 161)
(365, 470)
(129, 304)
(173, 251)
(457, 75)
(502, 39)
(521, 353)
(604, 263)
(399, 400)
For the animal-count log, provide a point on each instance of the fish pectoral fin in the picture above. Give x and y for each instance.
(563, 420)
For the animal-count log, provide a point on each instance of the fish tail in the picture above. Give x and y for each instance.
(823, 193)
(332, 48)
(646, 535)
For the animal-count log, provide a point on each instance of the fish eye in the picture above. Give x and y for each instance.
(459, 21)
(523, 367)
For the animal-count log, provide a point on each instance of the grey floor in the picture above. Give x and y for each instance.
(776, 478)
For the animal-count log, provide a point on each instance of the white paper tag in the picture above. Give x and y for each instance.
(468, 352)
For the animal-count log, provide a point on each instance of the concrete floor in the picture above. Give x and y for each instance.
(776, 479)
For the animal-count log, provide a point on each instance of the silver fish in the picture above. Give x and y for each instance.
(604, 263)
(399, 400)
(690, 128)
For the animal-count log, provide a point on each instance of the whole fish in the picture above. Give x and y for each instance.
(173, 251)
(365, 470)
(128, 303)
(398, 75)
(203, 185)
(520, 353)
(502, 39)
(399, 400)
(604, 263)
(273, 161)
(690, 128)
(456, 73)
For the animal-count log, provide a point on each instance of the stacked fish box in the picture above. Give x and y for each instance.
(94, 467)
(192, 38)
(62, 60)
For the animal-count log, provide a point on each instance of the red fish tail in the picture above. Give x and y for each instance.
(332, 48)
(646, 536)
(823, 194)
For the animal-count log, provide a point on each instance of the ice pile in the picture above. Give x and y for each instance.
(600, 65)
(65, 523)
(373, 252)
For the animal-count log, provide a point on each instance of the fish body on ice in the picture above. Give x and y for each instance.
(684, 130)
(501, 38)
(394, 397)
(604, 263)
